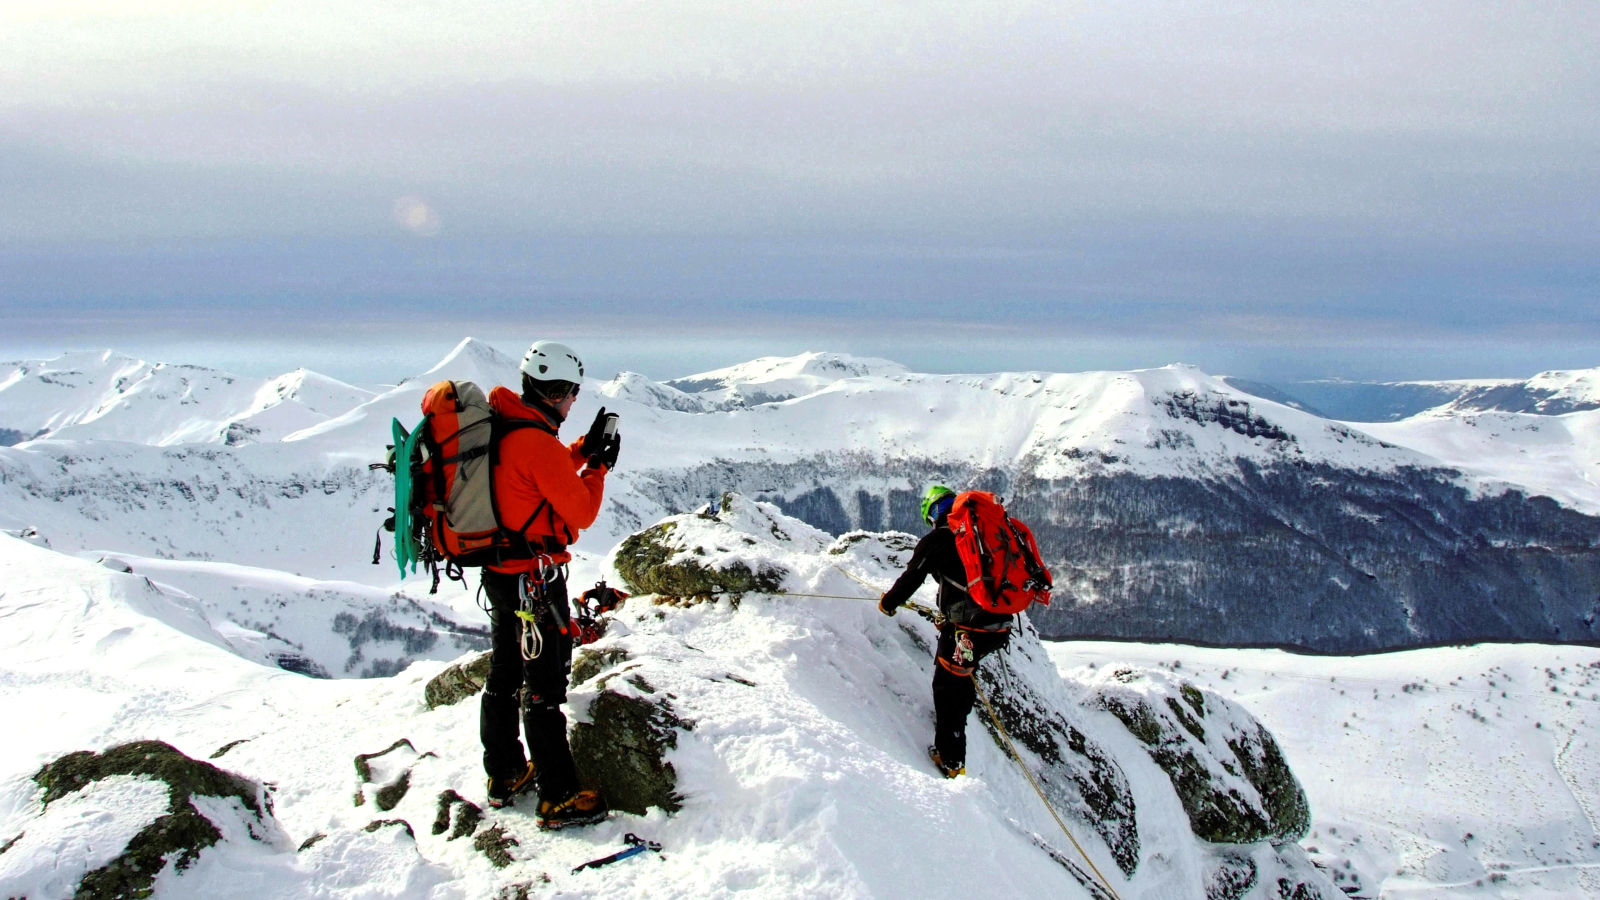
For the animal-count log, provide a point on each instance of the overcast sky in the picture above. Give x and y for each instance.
(1286, 189)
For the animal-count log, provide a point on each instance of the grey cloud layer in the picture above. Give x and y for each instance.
(1250, 158)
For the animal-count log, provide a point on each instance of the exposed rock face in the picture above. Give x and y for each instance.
(591, 661)
(177, 837)
(1078, 775)
(622, 748)
(1226, 767)
(457, 683)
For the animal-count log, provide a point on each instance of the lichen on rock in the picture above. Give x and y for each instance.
(496, 844)
(1226, 767)
(622, 747)
(466, 821)
(458, 682)
(1076, 773)
(591, 661)
(722, 550)
(177, 837)
(395, 763)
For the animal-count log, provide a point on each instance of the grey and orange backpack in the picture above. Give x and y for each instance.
(445, 509)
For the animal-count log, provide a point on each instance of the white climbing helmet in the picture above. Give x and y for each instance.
(550, 361)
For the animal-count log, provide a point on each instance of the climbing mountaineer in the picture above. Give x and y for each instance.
(977, 601)
(552, 491)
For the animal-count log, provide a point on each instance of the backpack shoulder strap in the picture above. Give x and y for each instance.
(509, 425)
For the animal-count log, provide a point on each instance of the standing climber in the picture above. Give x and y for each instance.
(552, 491)
(968, 634)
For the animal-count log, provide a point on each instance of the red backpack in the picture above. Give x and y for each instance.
(461, 433)
(1004, 574)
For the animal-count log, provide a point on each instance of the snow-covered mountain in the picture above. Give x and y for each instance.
(178, 588)
(773, 379)
(1172, 503)
(109, 396)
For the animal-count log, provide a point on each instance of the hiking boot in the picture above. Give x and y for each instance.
(949, 771)
(503, 791)
(582, 808)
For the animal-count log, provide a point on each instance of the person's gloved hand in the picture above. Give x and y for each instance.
(608, 455)
(595, 441)
(886, 610)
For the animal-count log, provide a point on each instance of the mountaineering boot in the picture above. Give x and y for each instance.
(946, 771)
(582, 808)
(503, 791)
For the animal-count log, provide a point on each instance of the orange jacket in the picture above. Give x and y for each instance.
(535, 467)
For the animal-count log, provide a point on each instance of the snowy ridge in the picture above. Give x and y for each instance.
(1556, 456)
(110, 396)
(1548, 393)
(773, 379)
(1171, 421)
(798, 754)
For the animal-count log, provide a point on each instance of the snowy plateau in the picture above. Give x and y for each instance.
(215, 692)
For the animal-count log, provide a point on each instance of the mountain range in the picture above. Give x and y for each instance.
(1172, 504)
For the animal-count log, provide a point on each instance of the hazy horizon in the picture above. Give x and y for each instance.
(1277, 191)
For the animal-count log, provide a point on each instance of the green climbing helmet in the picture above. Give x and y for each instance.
(931, 498)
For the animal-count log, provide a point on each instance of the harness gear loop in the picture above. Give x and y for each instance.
(533, 602)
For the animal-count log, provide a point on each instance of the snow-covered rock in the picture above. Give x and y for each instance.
(1228, 770)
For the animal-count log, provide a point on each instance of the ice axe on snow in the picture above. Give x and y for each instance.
(636, 846)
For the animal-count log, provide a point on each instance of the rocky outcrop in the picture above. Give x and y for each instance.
(175, 838)
(622, 749)
(1225, 766)
(1078, 775)
(458, 682)
(682, 557)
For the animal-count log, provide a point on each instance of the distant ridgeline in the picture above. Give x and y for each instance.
(1310, 556)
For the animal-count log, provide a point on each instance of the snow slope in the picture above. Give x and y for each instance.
(1446, 772)
(109, 396)
(773, 379)
(1556, 456)
(801, 767)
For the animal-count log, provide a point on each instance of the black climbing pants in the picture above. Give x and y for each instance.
(955, 661)
(545, 678)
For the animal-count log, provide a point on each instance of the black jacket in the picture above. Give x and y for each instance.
(936, 556)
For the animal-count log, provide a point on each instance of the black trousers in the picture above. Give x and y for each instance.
(955, 661)
(543, 723)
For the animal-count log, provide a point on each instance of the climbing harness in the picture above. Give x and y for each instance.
(636, 846)
(533, 602)
(587, 609)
